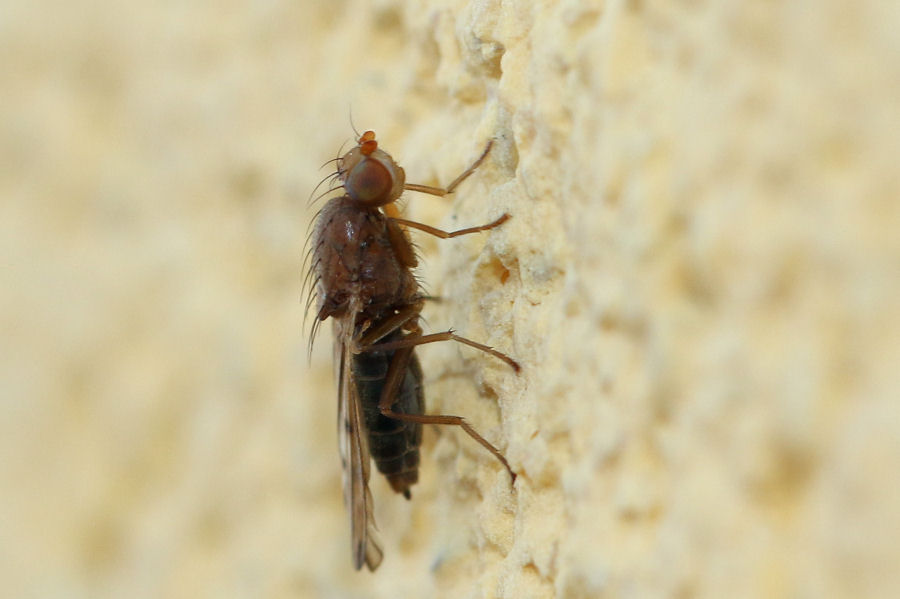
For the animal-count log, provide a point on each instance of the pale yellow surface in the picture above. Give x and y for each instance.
(701, 278)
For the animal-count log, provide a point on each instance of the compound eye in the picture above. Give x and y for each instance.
(369, 182)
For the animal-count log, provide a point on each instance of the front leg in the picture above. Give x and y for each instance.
(448, 234)
(442, 191)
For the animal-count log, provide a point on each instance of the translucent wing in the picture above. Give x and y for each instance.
(354, 447)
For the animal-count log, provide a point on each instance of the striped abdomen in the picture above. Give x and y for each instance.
(393, 444)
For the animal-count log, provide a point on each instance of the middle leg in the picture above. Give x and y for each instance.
(419, 339)
(396, 372)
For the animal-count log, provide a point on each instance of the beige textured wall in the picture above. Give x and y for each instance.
(702, 279)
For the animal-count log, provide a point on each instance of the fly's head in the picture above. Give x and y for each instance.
(369, 175)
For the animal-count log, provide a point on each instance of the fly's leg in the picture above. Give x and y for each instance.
(394, 214)
(396, 372)
(449, 234)
(391, 210)
(409, 314)
(414, 340)
(442, 191)
(387, 326)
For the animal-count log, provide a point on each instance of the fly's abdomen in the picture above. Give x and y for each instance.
(393, 444)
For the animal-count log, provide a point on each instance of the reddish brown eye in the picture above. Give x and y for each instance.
(369, 182)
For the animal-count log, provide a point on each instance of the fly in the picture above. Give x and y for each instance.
(362, 270)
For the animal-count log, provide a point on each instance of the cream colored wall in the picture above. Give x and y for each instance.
(701, 278)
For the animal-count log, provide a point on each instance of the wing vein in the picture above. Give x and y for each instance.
(354, 452)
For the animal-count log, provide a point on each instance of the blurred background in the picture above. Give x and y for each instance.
(701, 278)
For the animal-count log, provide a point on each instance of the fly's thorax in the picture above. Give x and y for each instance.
(359, 254)
(369, 175)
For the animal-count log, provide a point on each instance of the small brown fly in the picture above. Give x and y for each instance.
(362, 262)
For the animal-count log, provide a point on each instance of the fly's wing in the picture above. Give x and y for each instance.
(354, 446)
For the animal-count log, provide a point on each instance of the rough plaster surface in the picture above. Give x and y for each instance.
(701, 278)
